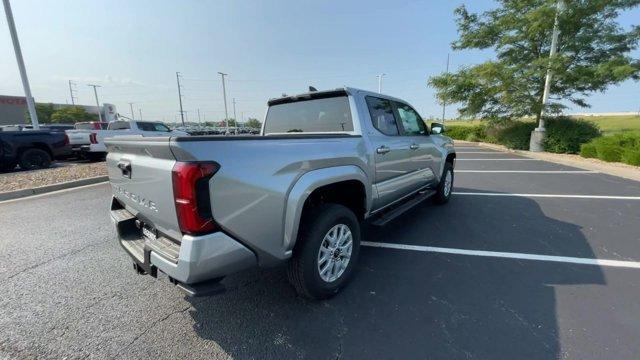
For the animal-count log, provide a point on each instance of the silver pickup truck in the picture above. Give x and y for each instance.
(201, 207)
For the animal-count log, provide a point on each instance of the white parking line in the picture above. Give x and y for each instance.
(566, 196)
(531, 171)
(509, 255)
(512, 159)
(480, 152)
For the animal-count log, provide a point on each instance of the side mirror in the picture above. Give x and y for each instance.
(437, 128)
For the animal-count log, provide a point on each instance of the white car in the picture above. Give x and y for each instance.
(96, 148)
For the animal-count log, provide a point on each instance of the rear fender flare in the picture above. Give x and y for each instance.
(309, 182)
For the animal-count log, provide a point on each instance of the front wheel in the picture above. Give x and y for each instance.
(326, 251)
(443, 192)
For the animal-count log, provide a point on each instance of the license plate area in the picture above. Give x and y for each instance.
(149, 233)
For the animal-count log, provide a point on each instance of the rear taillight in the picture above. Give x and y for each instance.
(93, 138)
(66, 139)
(191, 195)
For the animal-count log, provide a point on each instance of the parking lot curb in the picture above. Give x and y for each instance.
(616, 169)
(16, 194)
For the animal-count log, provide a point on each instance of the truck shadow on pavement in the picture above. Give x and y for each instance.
(406, 304)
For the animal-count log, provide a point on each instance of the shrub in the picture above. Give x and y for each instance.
(609, 153)
(472, 137)
(461, 132)
(516, 135)
(457, 132)
(623, 147)
(565, 135)
(588, 151)
(631, 157)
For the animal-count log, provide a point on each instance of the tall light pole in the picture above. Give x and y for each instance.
(95, 92)
(224, 96)
(131, 108)
(444, 103)
(180, 97)
(31, 105)
(380, 82)
(199, 121)
(140, 112)
(234, 112)
(538, 134)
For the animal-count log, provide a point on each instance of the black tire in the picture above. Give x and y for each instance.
(443, 195)
(95, 157)
(303, 271)
(32, 159)
(6, 167)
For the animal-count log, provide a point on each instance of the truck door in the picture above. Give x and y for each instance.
(395, 171)
(425, 155)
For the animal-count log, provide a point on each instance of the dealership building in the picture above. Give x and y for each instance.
(13, 110)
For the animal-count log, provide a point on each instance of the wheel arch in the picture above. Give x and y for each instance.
(334, 182)
(449, 157)
(36, 145)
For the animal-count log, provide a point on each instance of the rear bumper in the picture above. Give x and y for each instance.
(194, 260)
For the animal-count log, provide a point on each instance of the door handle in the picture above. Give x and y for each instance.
(383, 149)
(414, 146)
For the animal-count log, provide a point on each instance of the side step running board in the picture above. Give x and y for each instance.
(401, 209)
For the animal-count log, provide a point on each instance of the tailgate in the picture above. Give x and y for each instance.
(139, 171)
(78, 137)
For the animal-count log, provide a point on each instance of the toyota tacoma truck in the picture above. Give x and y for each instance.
(199, 208)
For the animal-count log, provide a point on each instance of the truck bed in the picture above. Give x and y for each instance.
(254, 180)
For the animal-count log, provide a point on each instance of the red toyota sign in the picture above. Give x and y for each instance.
(13, 100)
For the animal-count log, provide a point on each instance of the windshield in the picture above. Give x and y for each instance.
(310, 116)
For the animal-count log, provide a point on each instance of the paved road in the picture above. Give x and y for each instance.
(68, 289)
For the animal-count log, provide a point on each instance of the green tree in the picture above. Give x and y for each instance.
(593, 53)
(72, 114)
(44, 112)
(253, 123)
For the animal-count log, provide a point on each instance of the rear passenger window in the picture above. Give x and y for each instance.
(382, 116)
(119, 125)
(326, 115)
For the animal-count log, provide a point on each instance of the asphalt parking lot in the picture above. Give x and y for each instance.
(528, 260)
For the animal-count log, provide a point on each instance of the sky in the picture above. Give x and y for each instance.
(133, 49)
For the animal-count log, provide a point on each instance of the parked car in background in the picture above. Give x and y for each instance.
(55, 127)
(34, 149)
(96, 148)
(47, 127)
(80, 134)
(91, 125)
(325, 161)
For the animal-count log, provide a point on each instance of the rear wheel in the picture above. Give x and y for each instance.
(93, 157)
(32, 159)
(5, 167)
(443, 192)
(326, 251)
